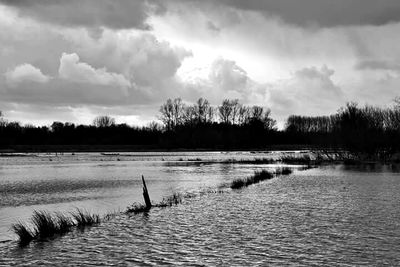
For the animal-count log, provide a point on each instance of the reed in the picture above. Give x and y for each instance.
(283, 171)
(256, 178)
(46, 225)
(259, 176)
(172, 200)
(84, 218)
(303, 159)
(25, 235)
(137, 208)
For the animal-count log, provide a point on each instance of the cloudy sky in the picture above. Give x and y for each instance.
(70, 60)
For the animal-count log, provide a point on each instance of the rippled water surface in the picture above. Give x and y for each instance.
(332, 215)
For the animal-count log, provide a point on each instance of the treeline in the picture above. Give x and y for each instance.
(228, 126)
(231, 125)
(368, 129)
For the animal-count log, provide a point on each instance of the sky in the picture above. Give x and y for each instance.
(74, 60)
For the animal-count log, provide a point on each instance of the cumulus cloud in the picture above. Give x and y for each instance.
(25, 73)
(310, 91)
(141, 56)
(73, 70)
(221, 79)
(116, 14)
(227, 75)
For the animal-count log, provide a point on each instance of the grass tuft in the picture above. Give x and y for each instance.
(84, 218)
(259, 176)
(256, 178)
(283, 171)
(137, 208)
(169, 201)
(238, 183)
(22, 231)
(46, 225)
(303, 159)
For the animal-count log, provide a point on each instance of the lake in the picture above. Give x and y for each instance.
(331, 215)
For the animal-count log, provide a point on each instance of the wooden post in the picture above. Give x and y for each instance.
(146, 194)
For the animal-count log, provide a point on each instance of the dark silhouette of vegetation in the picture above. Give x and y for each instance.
(46, 225)
(258, 177)
(371, 132)
(104, 121)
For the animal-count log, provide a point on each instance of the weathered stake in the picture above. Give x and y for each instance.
(146, 195)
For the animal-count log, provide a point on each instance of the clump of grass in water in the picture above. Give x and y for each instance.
(137, 208)
(84, 218)
(173, 200)
(259, 176)
(283, 171)
(303, 159)
(169, 201)
(24, 234)
(256, 178)
(46, 225)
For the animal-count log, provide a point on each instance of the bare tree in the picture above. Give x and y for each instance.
(243, 115)
(225, 111)
(190, 115)
(103, 121)
(260, 116)
(172, 113)
(396, 101)
(166, 111)
(204, 112)
(235, 111)
(3, 122)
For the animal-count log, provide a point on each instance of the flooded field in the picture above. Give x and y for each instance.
(331, 215)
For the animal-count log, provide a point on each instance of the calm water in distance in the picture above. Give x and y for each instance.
(332, 215)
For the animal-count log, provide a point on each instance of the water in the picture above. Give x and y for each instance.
(333, 215)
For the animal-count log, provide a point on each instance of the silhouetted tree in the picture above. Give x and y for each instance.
(225, 111)
(103, 121)
(204, 113)
(3, 122)
(172, 113)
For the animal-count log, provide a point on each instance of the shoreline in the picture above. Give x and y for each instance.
(135, 148)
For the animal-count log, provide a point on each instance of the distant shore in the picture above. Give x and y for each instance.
(135, 148)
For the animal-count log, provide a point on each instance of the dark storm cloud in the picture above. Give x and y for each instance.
(378, 65)
(119, 14)
(325, 13)
(116, 14)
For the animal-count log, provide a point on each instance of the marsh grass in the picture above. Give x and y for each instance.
(24, 234)
(303, 159)
(169, 201)
(137, 208)
(283, 171)
(46, 225)
(259, 176)
(256, 178)
(84, 218)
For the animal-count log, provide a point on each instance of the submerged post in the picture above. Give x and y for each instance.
(146, 195)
